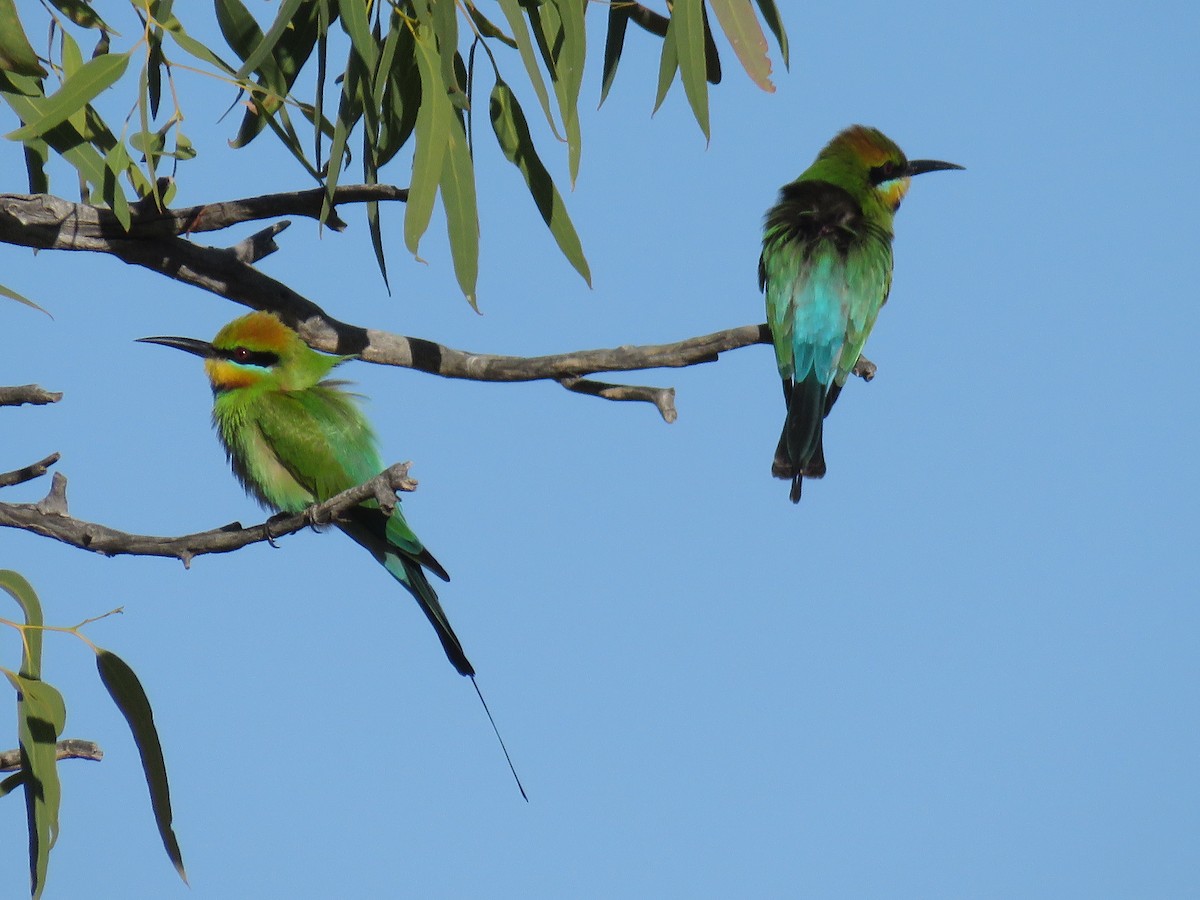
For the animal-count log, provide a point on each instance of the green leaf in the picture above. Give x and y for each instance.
(13, 295)
(41, 717)
(401, 98)
(12, 782)
(22, 591)
(76, 92)
(512, 133)
(746, 36)
(350, 110)
(614, 43)
(268, 42)
(512, 12)
(16, 53)
(37, 154)
(79, 12)
(462, 212)
(127, 693)
(355, 24)
(668, 65)
(432, 129)
(572, 48)
(487, 27)
(190, 45)
(116, 163)
(687, 27)
(770, 14)
(444, 19)
(23, 94)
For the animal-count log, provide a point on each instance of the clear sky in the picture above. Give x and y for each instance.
(964, 666)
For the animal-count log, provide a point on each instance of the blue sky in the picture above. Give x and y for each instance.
(964, 666)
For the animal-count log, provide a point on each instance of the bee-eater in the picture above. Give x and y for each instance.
(826, 267)
(294, 439)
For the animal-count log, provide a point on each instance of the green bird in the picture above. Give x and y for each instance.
(826, 268)
(295, 439)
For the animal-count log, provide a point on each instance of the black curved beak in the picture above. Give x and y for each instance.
(921, 166)
(188, 345)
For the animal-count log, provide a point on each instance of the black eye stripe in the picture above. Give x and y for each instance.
(246, 356)
(886, 172)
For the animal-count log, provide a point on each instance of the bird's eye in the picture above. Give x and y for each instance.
(241, 354)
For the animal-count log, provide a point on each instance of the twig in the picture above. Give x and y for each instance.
(71, 748)
(28, 393)
(50, 518)
(30, 472)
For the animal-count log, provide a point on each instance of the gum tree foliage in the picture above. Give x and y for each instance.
(419, 81)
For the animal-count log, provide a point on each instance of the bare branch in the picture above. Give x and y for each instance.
(28, 393)
(71, 748)
(662, 398)
(149, 222)
(30, 472)
(50, 222)
(49, 518)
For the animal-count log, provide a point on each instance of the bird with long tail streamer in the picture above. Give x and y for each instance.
(294, 438)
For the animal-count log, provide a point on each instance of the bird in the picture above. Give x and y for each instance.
(826, 269)
(294, 438)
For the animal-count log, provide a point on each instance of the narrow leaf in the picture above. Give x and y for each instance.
(355, 24)
(745, 35)
(12, 782)
(687, 26)
(75, 93)
(572, 48)
(512, 133)
(13, 295)
(22, 591)
(462, 213)
(22, 93)
(487, 27)
(127, 693)
(41, 717)
(668, 65)
(431, 133)
(512, 12)
(770, 14)
(16, 53)
(614, 43)
(79, 12)
(267, 42)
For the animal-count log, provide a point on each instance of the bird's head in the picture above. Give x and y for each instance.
(869, 164)
(256, 351)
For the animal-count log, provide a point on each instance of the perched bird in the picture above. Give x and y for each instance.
(294, 439)
(826, 267)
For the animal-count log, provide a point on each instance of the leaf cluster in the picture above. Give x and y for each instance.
(41, 718)
(407, 81)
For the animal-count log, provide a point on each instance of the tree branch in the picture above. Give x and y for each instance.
(71, 748)
(52, 223)
(28, 393)
(49, 518)
(30, 472)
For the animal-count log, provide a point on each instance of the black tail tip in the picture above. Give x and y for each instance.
(797, 483)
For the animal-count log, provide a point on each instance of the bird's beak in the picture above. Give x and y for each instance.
(189, 345)
(921, 166)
